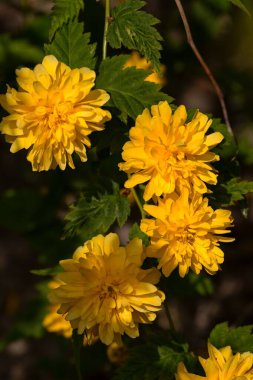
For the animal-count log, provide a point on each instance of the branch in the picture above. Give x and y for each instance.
(204, 65)
(107, 18)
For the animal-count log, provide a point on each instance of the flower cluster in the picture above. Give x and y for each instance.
(53, 113)
(221, 365)
(104, 292)
(172, 155)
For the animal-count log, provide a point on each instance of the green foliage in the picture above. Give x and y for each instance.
(202, 284)
(154, 362)
(136, 232)
(94, 215)
(230, 192)
(134, 29)
(64, 11)
(239, 338)
(47, 271)
(129, 91)
(237, 189)
(20, 49)
(239, 4)
(19, 210)
(71, 46)
(245, 150)
(190, 286)
(230, 189)
(227, 149)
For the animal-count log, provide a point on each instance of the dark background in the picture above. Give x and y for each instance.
(33, 205)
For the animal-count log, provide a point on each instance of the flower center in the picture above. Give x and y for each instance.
(108, 291)
(185, 237)
(59, 114)
(166, 155)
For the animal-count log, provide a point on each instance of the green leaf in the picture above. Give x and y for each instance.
(134, 29)
(239, 4)
(71, 46)
(129, 91)
(245, 150)
(94, 215)
(227, 148)
(47, 271)
(63, 11)
(136, 232)
(201, 283)
(240, 338)
(238, 189)
(154, 362)
(230, 192)
(169, 360)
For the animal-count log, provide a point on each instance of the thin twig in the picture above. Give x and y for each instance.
(107, 18)
(204, 65)
(168, 314)
(138, 202)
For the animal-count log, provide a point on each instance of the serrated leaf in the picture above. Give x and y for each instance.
(240, 338)
(135, 231)
(134, 29)
(129, 91)
(169, 359)
(154, 362)
(95, 215)
(71, 46)
(239, 4)
(231, 192)
(238, 189)
(63, 11)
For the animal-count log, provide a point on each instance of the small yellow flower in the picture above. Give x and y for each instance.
(221, 365)
(169, 153)
(104, 291)
(139, 62)
(52, 113)
(186, 233)
(54, 322)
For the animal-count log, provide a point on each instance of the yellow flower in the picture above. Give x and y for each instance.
(52, 113)
(221, 365)
(55, 322)
(186, 233)
(139, 62)
(104, 291)
(169, 153)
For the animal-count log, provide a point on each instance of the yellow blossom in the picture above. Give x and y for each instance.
(139, 62)
(186, 233)
(169, 153)
(104, 291)
(55, 322)
(221, 365)
(52, 113)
